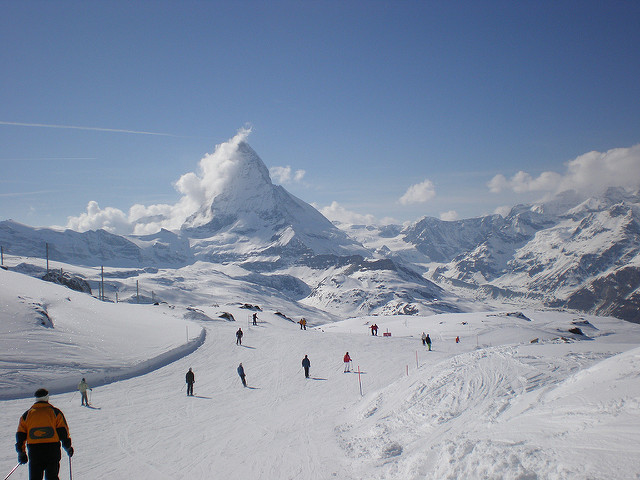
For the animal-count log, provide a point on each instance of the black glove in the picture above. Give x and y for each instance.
(69, 451)
(22, 457)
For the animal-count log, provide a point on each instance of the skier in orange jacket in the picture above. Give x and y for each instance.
(42, 427)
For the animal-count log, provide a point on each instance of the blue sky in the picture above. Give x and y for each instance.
(387, 110)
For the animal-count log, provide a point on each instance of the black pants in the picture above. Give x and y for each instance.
(189, 388)
(44, 459)
(244, 381)
(306, 372)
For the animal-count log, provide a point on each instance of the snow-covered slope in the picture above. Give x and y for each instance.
(494, 405)
(566, 252)
(95, 247)
(52, 334)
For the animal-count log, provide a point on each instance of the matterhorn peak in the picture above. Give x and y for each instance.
(235, 181)
(242, 207)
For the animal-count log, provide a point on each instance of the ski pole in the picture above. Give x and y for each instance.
(70, 473)
(14, 469)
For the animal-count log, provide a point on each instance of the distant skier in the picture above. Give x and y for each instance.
(303, 323)
(255, 319)
(428, 340)
(42, 427)
(83, 387)
(190, 379)
(239, 337)
(374, 329)
(457, 339)
(242, 375)
(306, 363)
(347, 362)
(424, 339)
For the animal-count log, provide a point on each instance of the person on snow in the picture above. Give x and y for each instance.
(428, 340)
(190, 378)
(242, 375)
(239, 337)
(303, 323)
(42, 427)
(457, 339)
(424, 339)
(347, 362)
(83, 387)
(255, 319)
(306, 364)
(374, 329)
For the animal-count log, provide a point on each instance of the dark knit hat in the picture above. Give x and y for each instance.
(42, 395)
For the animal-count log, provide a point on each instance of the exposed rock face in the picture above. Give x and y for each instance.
(71, 281)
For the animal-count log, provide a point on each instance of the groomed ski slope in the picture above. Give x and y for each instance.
(492, 406)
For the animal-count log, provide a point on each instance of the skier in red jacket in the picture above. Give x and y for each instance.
(347, 362)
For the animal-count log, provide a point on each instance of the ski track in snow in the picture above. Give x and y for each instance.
(452, 417)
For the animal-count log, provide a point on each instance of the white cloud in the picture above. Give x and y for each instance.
(110, 219)
(419, 193)
(215, 171)
(337, 213)
(503, 210)
(589, 173)
(449, 216)
(283, 175)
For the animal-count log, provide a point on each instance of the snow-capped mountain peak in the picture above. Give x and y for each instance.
(242, 184)
(245, 214)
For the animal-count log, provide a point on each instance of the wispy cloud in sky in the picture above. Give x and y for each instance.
(95, 129)
(449, 216)
(283, 175)
(419, 193)
(337, 213)
(26, 194)
(48, 159)
(196, 189)
(588, 173)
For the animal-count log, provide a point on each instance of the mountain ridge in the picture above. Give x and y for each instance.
(566, 252)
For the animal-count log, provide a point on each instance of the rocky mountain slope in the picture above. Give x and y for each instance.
(564, 253)
(272, 239)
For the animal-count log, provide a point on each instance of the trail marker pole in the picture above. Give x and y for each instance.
(359, 380)
(407, 370)
(417, 365)
(14, 469)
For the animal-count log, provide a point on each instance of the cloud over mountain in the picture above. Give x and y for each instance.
(215, 172)
(590, 173)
